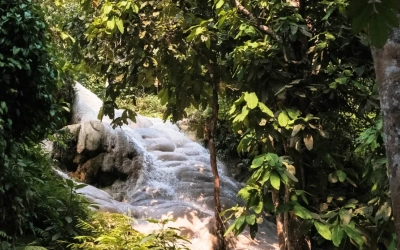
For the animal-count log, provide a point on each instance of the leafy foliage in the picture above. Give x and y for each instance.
(114, 231)
(36, 207)
(304, 89)
(28, 77)
(35, 202)
(375, 16)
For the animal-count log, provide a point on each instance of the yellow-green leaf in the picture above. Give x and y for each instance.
(275, 180)
(323, 230)
(251, 99)
(120, 25)
(265, 109)
(341, 175)
(283, 118)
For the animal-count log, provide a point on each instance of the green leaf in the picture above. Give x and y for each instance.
(362, 17)
(101, 114)
(251, 99)
(337, 235)
(120, 25)
(293, 113)
(219, 4)
(107, 9)
(258, 161)
(163, 96)
(16, 50)
(135, 8)
(275, 180)
(388, 14)
(345, 215)
(68, 219)
(258, 209)
(56, 236)
(69, 183)
(378, 31)
(302, 212)
(265, 109)
(111, 24)
(290, 175)
(243, 115)
(341, 175)
(323, 230)
(230, 228)
(354, 234)
(251, 219)
(283, 118)
(265, 176)
(240, 221)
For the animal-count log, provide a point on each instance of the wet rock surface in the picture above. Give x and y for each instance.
(149, 169)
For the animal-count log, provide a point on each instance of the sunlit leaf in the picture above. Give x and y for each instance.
(323, 230)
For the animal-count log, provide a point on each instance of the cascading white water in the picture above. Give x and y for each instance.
(155, 170)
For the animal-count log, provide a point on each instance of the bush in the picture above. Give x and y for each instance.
(37, 206)
(27, 76)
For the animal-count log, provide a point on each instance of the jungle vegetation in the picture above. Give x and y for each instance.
(291, 86)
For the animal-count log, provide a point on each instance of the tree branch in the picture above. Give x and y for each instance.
(264, 28)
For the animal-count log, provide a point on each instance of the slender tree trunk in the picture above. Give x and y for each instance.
(279, 221)
(286, 222)
(220, 227)
(387, 69)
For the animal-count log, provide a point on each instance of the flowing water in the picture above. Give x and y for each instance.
(150, 169)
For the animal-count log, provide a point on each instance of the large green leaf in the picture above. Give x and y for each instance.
(388, 14)
(242, 115)
(378, 31)
(362, 16)
(258, 161)
(251, 100)
(302, 212)
(323, 230)
(337, 235)
(275, 180)
(283, 118)
(251, 219)
(240, 221)
(265, 109)
(354, 234)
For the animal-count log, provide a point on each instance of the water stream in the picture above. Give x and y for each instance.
(149, 169)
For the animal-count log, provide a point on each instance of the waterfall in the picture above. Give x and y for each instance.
(150, 169)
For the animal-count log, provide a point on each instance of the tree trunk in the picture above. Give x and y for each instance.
(387, 69)
(279, 221)
(220, 227)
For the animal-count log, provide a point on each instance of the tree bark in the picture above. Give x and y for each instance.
(387, 69)
(220, 227)
(279, 221)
